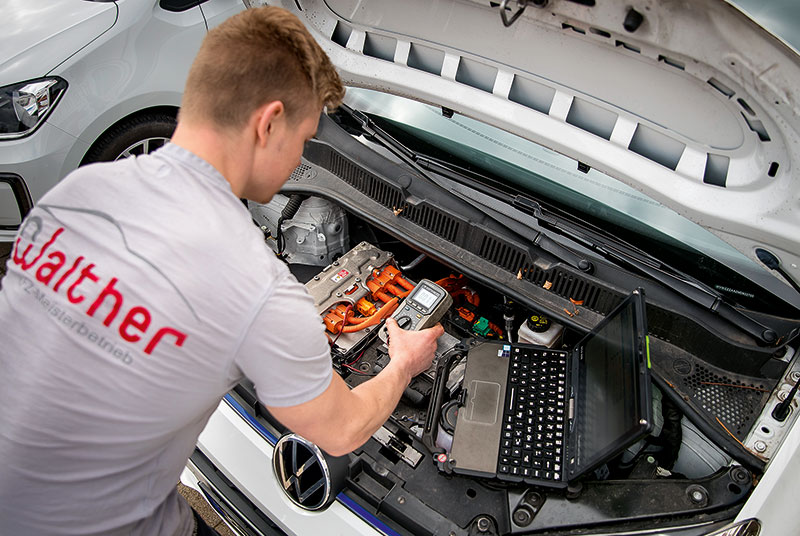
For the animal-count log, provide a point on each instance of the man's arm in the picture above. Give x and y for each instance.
(342, 419)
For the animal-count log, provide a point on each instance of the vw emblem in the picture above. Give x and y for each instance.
(303, 472)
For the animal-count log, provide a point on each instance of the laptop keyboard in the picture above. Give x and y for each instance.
(534, 416)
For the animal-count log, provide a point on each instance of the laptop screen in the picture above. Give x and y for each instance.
(610, 387)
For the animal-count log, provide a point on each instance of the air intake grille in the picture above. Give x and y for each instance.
(735, 400)
(300, 172)
(434, 220)
(424, 215)
(567, 285)
(366, 182)
(595, 298)
(504, 255)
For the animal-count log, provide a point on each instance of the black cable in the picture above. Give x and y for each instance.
(289, 211)
(781, 411)
(771, 261)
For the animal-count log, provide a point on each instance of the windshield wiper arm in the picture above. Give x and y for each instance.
(422, 163)
(541, 239)
(656, 269)
(670, 277)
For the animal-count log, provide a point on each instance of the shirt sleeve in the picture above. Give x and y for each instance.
(285, 352)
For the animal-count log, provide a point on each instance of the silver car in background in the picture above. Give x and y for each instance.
(89, 80)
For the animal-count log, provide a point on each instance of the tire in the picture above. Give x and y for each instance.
(138, 135)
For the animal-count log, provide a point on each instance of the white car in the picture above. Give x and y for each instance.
(543, 159)
(89, 80)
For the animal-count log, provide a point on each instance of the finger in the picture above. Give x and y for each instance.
(437, 329)
(391, 325)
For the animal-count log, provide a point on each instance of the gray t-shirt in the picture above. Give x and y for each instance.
(137, 294)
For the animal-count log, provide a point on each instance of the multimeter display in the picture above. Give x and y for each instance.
(425, 297)
(422, 308)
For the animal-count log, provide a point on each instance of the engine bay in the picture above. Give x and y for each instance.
(359, 275)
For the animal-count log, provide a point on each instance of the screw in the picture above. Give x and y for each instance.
(782, 395)
(760, 446)
(651, 460)
(316, 278)
(401, 499)
(740, 475)
(380, 470)
(522, 517)
(794, 376)
(338, 294)
(697, 494)
(483, 524)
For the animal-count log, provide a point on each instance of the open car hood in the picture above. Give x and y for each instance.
(691, 103)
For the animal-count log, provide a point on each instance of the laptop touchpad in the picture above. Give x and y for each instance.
(485, 401)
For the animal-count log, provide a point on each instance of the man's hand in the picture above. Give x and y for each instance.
(412, 350)
(340, 419)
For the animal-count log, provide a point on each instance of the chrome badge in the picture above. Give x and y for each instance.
(303, 472)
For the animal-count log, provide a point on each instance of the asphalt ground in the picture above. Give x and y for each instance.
(194, 498)
(206, 512)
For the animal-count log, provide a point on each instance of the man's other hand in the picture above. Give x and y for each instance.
(412, 350)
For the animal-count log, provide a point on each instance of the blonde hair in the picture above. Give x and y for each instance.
(258, 56)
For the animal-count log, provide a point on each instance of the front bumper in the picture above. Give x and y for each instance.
(238, 451)
(38, 162)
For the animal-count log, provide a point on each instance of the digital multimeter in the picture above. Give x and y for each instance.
(422, 308)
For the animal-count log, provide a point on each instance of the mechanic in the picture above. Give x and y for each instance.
(139, 292)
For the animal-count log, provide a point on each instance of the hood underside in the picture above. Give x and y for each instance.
(692, 103)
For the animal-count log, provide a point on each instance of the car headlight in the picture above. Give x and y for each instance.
(750, 527)
(25, 105)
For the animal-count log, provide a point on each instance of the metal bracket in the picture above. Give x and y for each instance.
(521, 5)
(407, 453)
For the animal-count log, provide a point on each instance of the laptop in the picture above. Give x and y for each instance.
(549, 417)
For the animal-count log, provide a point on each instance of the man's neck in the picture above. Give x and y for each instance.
(223, 151)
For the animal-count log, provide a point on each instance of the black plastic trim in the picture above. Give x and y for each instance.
(230, 503)
(21, 194)
(176, 6)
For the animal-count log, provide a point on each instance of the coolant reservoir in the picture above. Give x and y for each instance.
(538, 329)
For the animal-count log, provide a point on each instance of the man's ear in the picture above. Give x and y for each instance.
(267, 119)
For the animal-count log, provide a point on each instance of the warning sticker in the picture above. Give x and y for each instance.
(338, 276)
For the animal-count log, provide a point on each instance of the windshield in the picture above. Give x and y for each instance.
(554, 180)
(781, 17)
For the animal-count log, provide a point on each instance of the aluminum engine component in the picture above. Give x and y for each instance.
(316, 235)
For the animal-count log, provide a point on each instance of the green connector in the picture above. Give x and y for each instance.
(481, 327)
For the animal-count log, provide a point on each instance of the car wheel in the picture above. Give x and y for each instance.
(136, 136)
